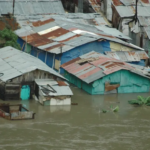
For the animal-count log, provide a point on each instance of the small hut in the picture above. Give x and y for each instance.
(51, 92)
(18, 70)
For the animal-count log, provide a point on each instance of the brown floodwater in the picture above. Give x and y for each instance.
(80, 127)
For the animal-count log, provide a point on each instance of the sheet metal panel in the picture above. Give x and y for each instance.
(143, 21)
(125, 11)
(94, 77)
(86, 75)
(143, 55)
(90, 54)
(64, 35)
(128, 2)
(109, 71)
(112, 55)
(45, 82)
(60, 90)
(19, 63)
(79, 41)
(31, 7)
(96, 69)
(132, 56)
(147, 30)
(113, 32)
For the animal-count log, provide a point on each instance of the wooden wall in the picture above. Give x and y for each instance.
(12, 88)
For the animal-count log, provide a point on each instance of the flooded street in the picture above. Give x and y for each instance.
(80, 127)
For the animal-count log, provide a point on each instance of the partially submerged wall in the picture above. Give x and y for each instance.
(128, 81)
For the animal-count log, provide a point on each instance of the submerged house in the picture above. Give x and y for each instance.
(57, 40)
(18, 70)
(51, 92)
(99, 74)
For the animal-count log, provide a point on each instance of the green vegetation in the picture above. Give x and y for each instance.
(8, 38)
(140, 101)
(104, 110)
(113, 109)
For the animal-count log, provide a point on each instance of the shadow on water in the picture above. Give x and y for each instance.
(81, 126)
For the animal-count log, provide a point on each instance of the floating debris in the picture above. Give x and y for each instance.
(15, 112)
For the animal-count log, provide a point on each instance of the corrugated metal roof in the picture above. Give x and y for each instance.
(113, 32)
(89, 69)
(128, 56)
(95, 5)
(14, 63)
(60, 90)
(31, 7)
(54, 34)
(129, 11)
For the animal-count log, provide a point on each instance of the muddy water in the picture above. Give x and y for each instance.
(81, 127)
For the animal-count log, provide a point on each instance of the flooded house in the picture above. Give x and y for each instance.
(51, 92)
(15, 112)
(18, 71)
(57, 40)
(96, 73)
(135, 25)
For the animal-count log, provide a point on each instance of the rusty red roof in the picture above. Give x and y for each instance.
(93, 66)
(52, 34)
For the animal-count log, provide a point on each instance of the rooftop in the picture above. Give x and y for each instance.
(93, 66)
(55, 34)
(14, 63)
(34, 7)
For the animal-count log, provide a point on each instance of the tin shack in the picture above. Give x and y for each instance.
(56, 41)
(96, 73)
(51, 92)
(18, 70)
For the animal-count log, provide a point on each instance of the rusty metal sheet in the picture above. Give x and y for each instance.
(110, 87)
(70, 62)
(132, 56)
(56, 33)
(128, 2)
(40, 23)
(109, 71)
(62, 83)
(143, 55)
(100, 61)
(113, 55)
(117, 2)
(80, 67)
(93, 70)
(95, 5)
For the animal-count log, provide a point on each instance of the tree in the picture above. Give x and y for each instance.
(8, 38)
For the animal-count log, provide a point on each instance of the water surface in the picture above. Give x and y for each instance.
(80, 127)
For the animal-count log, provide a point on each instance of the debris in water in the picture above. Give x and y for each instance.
(15, 112)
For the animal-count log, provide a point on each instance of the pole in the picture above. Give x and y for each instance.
(136, 18)
(13, 6)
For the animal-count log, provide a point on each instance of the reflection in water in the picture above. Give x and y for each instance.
(60, 108)
(81, 126)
